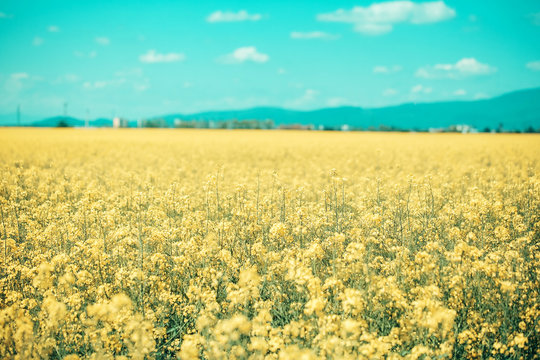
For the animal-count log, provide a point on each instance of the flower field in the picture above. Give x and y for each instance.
(268, 244)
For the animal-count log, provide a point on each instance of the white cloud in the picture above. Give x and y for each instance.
(310, 94)
(227, 102)
(460, 92)
(94, 85)
(67, 78)
(535, 18)
(243, 54)
(91, 54)
(133, 76)
(281, 71)
(421, 89)
(313, 35)
(338, 101)
(102, 40)
(187, 84)
(3, 15)
(416, 88)
(422, 73)
(380, 18)
(307, 98)
(16, 82)
(381, 69)
(135, 72)
(473, 18)
(37, 41)
(389, 92)
(100, 84)
(71, 78)
(230, 16)
(464, 67)
(533, 65)
(296, 85)
(152, 56)
(481, 96)
(141, 87)
(19, 76)
(53, 28)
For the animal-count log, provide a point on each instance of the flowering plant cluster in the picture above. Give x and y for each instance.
(268, 245)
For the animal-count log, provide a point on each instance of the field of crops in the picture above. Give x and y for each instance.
(267, 244)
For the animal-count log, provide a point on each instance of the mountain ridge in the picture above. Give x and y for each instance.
(516, 110)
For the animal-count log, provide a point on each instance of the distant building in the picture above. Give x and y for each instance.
(295, 127)
(185, 124)
(436, 130)
(461, 128)
(154, 123)
(466, 129)
(120, 123)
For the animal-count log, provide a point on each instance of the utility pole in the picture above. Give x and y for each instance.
(19, 115)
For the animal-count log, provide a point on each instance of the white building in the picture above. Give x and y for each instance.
(119, 123)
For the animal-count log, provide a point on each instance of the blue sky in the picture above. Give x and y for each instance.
(141, 58)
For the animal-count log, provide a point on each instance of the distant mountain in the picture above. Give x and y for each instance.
(513, 111)
(56, 120)
(71, 121)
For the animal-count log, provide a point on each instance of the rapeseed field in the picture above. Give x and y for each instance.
(142, 244)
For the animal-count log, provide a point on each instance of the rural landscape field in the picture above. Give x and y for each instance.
(281, 180)
(269, 245)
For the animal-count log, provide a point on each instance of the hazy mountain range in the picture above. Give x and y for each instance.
(514, 111)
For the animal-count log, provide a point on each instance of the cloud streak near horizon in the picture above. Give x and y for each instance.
(244, 54)
(230, 16)
(463, 68)
(151, 57)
